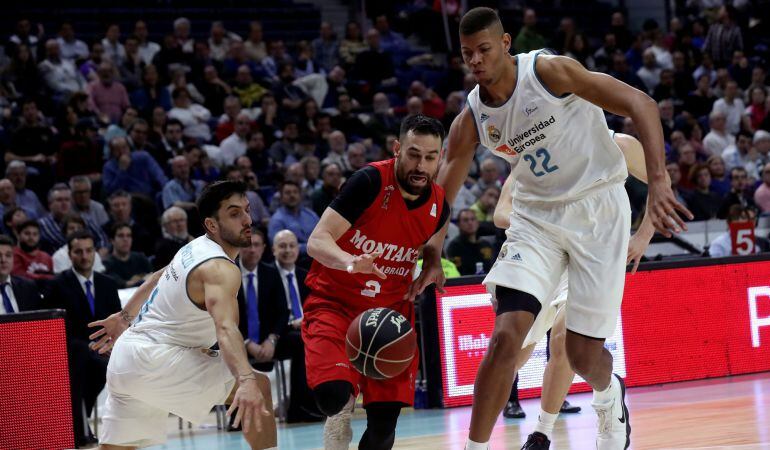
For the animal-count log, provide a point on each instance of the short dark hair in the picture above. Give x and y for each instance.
(68, 219)
(135, 123)
(176, 93)
(6, 240)
(117, 227)
(8, 215)
(422, 124)
(289, 183)
(170, 122)
(260, 233)
(118, 193)
(744, 133)
(478, 19)
(83, 234)
(214, 194)
(26, 224)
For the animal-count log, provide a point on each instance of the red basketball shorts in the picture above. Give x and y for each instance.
(323, 332)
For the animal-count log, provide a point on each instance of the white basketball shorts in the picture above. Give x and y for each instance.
(587, 236)
(146, 381)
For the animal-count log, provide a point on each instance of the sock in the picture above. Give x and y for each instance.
(545, 422)
(471, 445)
(606, 396)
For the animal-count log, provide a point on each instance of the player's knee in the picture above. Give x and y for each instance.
(556, 347)
(583, 352)
(332, 396)
(504, 345)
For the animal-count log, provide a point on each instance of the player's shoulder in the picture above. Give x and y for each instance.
(216, 270)
(463, 127)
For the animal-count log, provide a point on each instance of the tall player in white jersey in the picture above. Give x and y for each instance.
(164, 363)
(543, 114)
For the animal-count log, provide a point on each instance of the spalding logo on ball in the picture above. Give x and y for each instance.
(380, 343)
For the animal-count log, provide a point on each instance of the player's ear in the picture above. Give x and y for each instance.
(210, 224)
(396, 147)
(507, 42)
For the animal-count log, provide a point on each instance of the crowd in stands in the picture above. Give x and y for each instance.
(115, 138)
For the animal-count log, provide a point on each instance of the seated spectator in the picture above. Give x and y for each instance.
(82, 153)
(284, 152)
(60, 205)
(60, 75)
(127, 268)
(235, 145)
(86, 296)
(326, 48)
(700, 102)
(135, 172)
(83, 204)
(292, 216)
(16, 171)
(33, 142)
(337, 147)
(702, 201)
(383, 121)
(21, 77)
(71, 224)
(226, 121)
(740, 155)
(687, 160)
(12, 218)
(649, 73)
(193, 117)
(150, 94)
(119, 129)
(88, 68)
(356, 156)
(121, 211)
(108, 97)
(18, 294)
(200, 164)
(722, 245)
(220, 40)
(347, 121)
(756, 112)
(352, 45)
(28, 260)
(738, 195)
(246, 89)
(8, 198)
(323, 196)
(255, 45)
(179, 81)
(181, 190)
(268, 121)
(490, 177)
(374, 65)
(312, 170)
(675, 174)
(172, 142)
(720, 183)
(138, 133)
(529, 38)
(70, 47)
(114, 51)
(261, 162)
(484, 208)
(717, 139)
(131, 69)
(175, 236)
(470, 254)
(731, 106)
(762, 194)
(147, 48)
(214, 90)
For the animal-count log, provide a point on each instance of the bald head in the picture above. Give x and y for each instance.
(286, 249)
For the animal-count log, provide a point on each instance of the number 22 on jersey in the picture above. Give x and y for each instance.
(540, 163)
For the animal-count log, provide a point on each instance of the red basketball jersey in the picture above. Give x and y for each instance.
(386, 225)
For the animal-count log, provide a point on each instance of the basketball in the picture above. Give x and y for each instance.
(380, 343)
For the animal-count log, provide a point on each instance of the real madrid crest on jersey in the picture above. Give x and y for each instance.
(388, 190)
(494, 133)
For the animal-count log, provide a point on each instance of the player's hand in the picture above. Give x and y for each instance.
(250, 403)
(639, 243)
(431, 273)
(662, 207)
(111, 329)
(365, 264)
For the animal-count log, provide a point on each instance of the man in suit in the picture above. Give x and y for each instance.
(86, 296)
(302, 407)
(18, 294)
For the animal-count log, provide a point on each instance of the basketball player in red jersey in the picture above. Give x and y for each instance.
(364, 249)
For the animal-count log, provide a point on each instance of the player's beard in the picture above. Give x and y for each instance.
(405, 180)
(236, 239)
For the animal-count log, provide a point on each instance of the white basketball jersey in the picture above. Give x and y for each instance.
(169, 316)
(559, 148)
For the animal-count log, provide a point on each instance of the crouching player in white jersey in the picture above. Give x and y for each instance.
(163, 362)
(543, 114)
(558, 375)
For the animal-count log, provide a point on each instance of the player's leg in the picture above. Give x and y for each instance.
(265, 436)
(381, 420)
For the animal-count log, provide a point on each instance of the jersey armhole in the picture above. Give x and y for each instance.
(553, 96)
(475, 122)
(187, 279)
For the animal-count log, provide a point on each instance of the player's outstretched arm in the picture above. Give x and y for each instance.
(564, 75)
(114, 325)
(502, 216)
(221, 280)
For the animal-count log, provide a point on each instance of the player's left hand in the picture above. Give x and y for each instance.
(112, 327)
(663, 209)
(636, 248)
(431, 273)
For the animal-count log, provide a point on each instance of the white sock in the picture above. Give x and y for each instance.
(545, 422)
(471, 445)
(606, 396)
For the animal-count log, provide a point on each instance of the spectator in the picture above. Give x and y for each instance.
(326, 48)
(151, 94)
(86, 296)
(200, 163)
(135, 172)
(18, 294)
(261, 162)
(175, 236)
(720, 183)
(666, 110)
(740, 155)
(220, 40)
(138, 133)
(276, 56)
(484, 208)
(121, 211)
(337, 146)
(119, 129)
(71, 48)
(60, 205)
(762, 194)
(182, 35)
(72, 223)
(700, 102)
(739, 184)
(758, 76)
(249, 92)
(16, 171)
(724, 37)
(675, 173)
(718, 139)
(33, 141)
(59, 74)
(603, 56)
(756, 112)
(731, 106)
(171, 141)
(312, 171)
(702, 201)
(490, 177)
(125, 267)
(383, 121)
(284, 152)
(21, 77)
(214, 90)
(193, 117)
(622, 72)
(577, 49)
(89, 67)
(23, 36)
(86, 207)
(147, 48)
(467, 251)
(292, 216)
(255, 45)
(113, 49)
(28, 260)
(289, 96)
(8, 198)
(133, 66)
(683, 81)
(649, 73)
(180, 190)
(352, 45)
(722, 245)
(687, 160)
(267, 120)
(665, 89)
(12, 218)
(236, 144)
(374, 65)
(82, 153)
(528, 38)
(391, 41)
(323, 196)
(179, 81)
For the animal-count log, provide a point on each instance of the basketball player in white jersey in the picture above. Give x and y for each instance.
(163, 362)
(558, 375)
(543, 114)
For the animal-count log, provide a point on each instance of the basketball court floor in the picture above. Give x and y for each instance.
(727, 413)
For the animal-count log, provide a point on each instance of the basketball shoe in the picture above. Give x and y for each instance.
(537, 441)
(337, 430)
(614, 430)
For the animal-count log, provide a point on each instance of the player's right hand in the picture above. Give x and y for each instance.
(662, 207)
(365, 264)
(431, 273)
(250, 403)
(112, 327)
